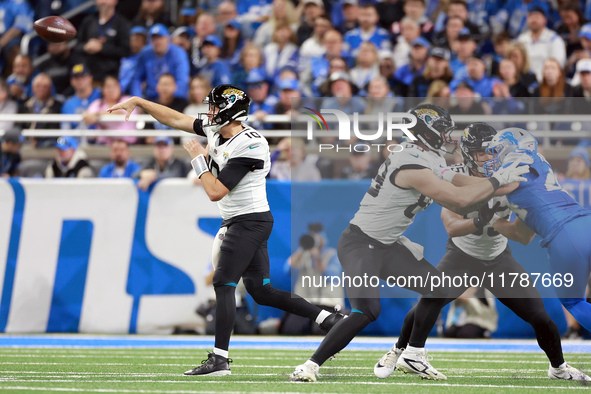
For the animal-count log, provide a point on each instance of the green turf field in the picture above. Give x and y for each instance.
(135, 370)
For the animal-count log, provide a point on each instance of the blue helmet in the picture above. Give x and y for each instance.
(512, 139)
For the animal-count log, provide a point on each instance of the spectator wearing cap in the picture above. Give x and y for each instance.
(344, 14)
(204, 27)
(232, 43)
(16, 20)
(215, 69)
(58, 66)
(360, 164)
(281, 51)
(187, 14)
(368, 30)
(336, 65)
(313, 47)
(466, 49)
(103, 39)
(121, 165)
(311, 10)
(227, 12)
(19, 82)
(409, 32)
(10, 156)
(570, 28)
(583, 89)
(289, 93)
(84, 94)
(42, 102)
(69, 161)
(468, 103)
(7, 106)
(138, 38)
(540, 42)
(261, 103)
(475, 76)
(282, 13)
(404, 76)
(318, 71)
(111, 95)
(367, 67)
(183, 37)
(342, 91)
(161, 57)
(448, 38)
(583, 53)
(415, 9)
(578, 164)
(152, 12)
(390, 12)
(437, 68)
(162, 165)
(517, 52)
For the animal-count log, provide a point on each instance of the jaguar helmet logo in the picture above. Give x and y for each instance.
(427, 115)
(232, 95)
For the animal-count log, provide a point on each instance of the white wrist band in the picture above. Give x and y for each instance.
(199, 165)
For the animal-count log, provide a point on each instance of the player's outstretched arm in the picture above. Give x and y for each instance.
(463, 180)
(516, 231)
(161, 113)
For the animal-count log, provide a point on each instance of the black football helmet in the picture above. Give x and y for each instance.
(476, 137)
(233, 103)
(433, 128)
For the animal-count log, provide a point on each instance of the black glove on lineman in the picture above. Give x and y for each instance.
(485, 214)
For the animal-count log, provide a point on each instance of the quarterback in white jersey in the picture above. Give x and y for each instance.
(373, 245)
(232, 172)
(478, 248)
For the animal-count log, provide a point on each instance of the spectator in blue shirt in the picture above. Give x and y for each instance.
(161, 57)
(21, 79)
(138, 38)
(16, 19)
(466, 48)
(121, 165)
(368, 30)
(404, 75)
(84, 94)
(233, 42)
(475, 77)
(262, 103)
(215, 69)
(281, 51)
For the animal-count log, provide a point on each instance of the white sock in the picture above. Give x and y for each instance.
(321, 316)
(414, 349)
(311, 363)
(563, 365)
(220, 352)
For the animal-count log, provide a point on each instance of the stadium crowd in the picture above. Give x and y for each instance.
(473, 57)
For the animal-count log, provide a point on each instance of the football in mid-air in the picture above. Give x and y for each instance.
(55, 29)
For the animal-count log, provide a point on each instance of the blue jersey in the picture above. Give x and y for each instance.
(110, 171)
(77, 105)
(354, 38)
(16, 14)
(541, 203)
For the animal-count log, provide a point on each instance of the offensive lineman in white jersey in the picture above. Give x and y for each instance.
(233, 173)
(478, 247)
(372, 245)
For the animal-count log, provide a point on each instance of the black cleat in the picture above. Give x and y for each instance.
(215, 365)
(331, 320)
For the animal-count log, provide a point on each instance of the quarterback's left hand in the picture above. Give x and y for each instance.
(194, 148)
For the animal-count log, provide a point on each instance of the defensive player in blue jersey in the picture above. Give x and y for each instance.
(545, 207)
